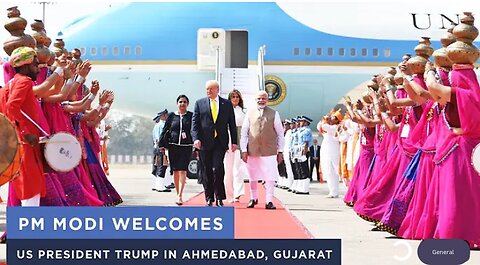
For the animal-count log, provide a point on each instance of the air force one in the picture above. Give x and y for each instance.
(308, 55)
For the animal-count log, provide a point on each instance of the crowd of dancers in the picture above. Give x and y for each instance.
(46, 94)
(418, 123)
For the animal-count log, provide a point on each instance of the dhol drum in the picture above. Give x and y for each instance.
(476, 158)
(62, 152)
(10, 151)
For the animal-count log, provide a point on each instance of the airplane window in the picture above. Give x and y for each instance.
(364, 52)
(341, 51)
(319, 51)
(104, 51)
(308, 51)
(138, 50)
(387, 52)
(296, 51)
(330, 51)
(353, 52)
(115, 51)
(93, 51)
(126, 50)
(375, 52)
(82, 50)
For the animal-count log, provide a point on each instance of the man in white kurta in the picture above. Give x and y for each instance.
(262, 143)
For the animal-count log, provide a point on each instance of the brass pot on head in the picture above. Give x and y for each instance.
(463, 51)
(417, 64)
(40, 36)
(392, 70)
(423, 48)
(47, 42)
(59, 43)
(38, 26)
(373, 85)
(441, 59)
(16, 26)
(448, 38)
(398, 78)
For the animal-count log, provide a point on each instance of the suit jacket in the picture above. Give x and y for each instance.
(203, 127)
(311, 152)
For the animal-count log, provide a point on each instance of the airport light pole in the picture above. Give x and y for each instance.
(43, 3)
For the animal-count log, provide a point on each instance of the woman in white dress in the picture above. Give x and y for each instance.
(235, 169)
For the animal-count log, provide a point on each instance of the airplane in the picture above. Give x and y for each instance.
(316, 52)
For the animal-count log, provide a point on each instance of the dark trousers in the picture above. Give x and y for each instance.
(302, 170)
(296, 174)
(158, 169)
(314, 164)
(282, 170)
(214, 172)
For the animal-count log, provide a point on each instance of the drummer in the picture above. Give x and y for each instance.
(30, 184)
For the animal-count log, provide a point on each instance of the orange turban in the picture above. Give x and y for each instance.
(338, 114)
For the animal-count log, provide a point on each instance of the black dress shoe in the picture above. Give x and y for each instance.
(209, 203)
(270, 206)
(302, 193)
(165, 190)
(219, 203)
(252, 203)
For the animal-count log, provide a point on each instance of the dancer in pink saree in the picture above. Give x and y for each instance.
(455, 180)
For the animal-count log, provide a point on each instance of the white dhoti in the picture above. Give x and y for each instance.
(262, 168)
(235, 173)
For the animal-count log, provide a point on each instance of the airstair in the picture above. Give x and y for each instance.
(226, 52)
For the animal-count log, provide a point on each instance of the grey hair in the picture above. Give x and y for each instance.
(262, 92)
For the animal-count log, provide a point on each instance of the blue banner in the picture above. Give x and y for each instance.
(120, 222)
(175, 251)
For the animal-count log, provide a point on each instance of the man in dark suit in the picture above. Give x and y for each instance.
(213, 118)
(314, 154)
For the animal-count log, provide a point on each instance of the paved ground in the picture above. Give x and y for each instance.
(323, 217)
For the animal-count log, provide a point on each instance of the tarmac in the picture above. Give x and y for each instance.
(323, 217)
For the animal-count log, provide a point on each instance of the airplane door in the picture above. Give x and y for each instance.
(236, 49)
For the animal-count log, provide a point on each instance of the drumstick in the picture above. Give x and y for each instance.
(34, 123)
(53, 142)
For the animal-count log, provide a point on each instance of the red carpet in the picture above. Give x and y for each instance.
(259, 222)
